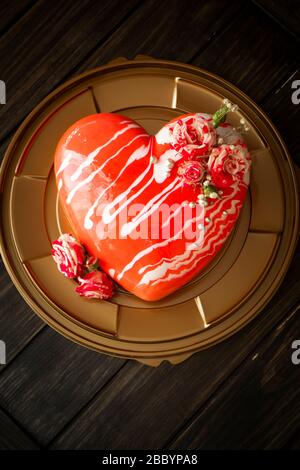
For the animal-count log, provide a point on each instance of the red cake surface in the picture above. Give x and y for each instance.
(155, 210)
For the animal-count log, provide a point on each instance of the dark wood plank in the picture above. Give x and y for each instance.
(258, 407)
(46, 44)
(12, 11)
(286, 13)
(153, 404)
(18, 324)
(4, 145)
(12, 437)
(254, 53)
(169, 30)
(50, 381)
(294, 442)
(77, 30)
(285, 114)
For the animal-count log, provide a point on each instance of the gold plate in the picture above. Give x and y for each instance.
(234, 287)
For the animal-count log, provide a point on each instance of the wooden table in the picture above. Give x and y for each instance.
(242, 393)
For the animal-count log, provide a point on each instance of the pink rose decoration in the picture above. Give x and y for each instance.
(228, 163)
(95, 285)
(73, 262)
(193, 137)
(191, 171)
(69, 255)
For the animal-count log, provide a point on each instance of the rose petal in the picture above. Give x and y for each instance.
(96, 285)
(69, 255)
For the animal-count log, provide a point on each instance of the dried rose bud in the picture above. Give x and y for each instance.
(69, 255)
(95, 285)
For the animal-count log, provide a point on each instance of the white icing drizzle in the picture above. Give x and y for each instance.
(60, 183)
(197, 256)
(144, 268)
(68, 156)
(138, 154)
(172, 216)
(155, 273)
(90, 157)
(187, 262)
(176, 261)
(95, 172)
(160, 168)
(106, 213)
(148, 250)
(111, 272)
(150, 207)
(165, 266)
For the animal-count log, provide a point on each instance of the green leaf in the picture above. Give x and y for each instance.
(220, 116)
(93, 267)
(207, 190)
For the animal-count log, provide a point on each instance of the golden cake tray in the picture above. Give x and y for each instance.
(233, 288)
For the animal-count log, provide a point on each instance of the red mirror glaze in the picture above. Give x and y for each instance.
(118, 186)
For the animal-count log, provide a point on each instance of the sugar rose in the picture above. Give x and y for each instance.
(69, 255)
(228, 163)
(194, 136)
(191, 171)
(95, 285)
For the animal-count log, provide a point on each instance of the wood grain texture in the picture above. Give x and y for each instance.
(259, 405)
(12, 437)
(50, 381)
(4, 144)
(18, 324)
(154, 404)
(286, 114)
(286, 13)
(11, 12)
(46, 45)
(77, 28)
(294, 442)
(170, 30)
(254, 53)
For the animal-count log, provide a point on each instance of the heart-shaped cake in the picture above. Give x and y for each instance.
(155, 210)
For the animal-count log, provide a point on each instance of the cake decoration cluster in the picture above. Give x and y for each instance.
(74, 262)
(207, 162)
